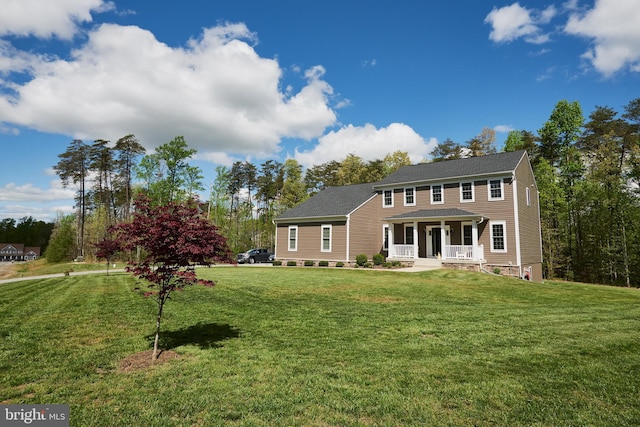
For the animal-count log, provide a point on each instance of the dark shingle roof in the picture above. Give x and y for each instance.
(484, 165)
(435, 213)
(332, 201)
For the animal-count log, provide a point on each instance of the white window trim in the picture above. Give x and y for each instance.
(414, 196)
(462, 224)
(441, 202)
(404, 238)
(504, 235)
(384, 205)
(385, 237)
(322, 228)
(501, 189)
(295, 249)
(473, 193)
(528, 193)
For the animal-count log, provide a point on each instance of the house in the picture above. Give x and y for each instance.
(18, 252)
(479, 213)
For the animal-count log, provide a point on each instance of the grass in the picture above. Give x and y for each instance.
(311, 346)
(42, 267)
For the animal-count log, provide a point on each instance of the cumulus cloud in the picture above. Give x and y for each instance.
(503, 128)
(512, 22)
(367, 142)
(613, 26)
(216, 91)
(30, 193)
(46, 19)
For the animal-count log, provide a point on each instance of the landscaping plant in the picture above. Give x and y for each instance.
(174, 239)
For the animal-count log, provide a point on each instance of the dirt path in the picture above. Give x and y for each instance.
(6, 270)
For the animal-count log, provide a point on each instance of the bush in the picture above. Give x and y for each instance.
(291, 263)
(339, 264)
(386, 264)
(309, 263)
(277, 262)
(361, 260)
(396, 264)
(378, 259)
(368, 265)
(323, 264)
(497, 270)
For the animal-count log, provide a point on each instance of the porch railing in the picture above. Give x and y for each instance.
(459, 252)
(463, 252)
(403, 251)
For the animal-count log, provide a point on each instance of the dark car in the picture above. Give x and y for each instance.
(255, 255)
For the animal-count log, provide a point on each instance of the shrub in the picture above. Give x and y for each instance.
(387, 264)
(291, 263)
(497, 270)
(378, 259)
(361, 260)
(323, 263)
(368, 265)
(396, 263)
(277, 262)
(309, 263)
(339, 264)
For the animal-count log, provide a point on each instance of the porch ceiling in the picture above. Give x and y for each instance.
(436, 214)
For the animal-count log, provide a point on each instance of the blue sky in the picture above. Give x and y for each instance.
(257, 80)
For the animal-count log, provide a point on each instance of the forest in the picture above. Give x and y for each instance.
(587, 170)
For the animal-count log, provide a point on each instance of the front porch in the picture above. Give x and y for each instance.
(442, 234)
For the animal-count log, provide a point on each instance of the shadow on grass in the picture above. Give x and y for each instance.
(205, 336)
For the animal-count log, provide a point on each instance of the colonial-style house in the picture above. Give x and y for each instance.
(478, 213)
(18, 252)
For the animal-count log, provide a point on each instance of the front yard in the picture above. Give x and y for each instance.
(311, 346)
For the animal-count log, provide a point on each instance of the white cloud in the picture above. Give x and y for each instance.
(503, 128)
(49, 18)
(29, 193)
(614, 28)
(367, 142)
(217, 92)
(512, 22)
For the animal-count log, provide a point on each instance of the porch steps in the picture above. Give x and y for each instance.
(427, 263)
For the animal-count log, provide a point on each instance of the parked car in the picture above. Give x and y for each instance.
(255, 255)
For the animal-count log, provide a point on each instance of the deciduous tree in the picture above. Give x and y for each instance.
(175, 238)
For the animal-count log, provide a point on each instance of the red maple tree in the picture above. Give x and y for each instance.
(173, 239)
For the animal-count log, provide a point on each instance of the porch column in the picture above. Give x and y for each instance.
(392, 252)
(443, 239)
(415, 239)
(474, 238)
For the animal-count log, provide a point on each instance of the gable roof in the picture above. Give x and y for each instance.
(450, 169)
(331, 202)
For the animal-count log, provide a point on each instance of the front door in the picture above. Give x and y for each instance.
(434, 240)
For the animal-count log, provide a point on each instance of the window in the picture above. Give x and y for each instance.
(410, 196)
(408, 235)
(467, 236)
(495, 189)
(387, 198)
(293, 238)
(498, 236)
(466, 192)
(437, 198)
(528, 191)
(385, 237)
(326, 238)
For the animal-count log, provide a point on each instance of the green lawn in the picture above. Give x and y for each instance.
(326, 346)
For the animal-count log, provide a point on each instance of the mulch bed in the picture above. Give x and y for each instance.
(142, 360)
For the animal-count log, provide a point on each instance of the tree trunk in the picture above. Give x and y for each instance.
(161, 300)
